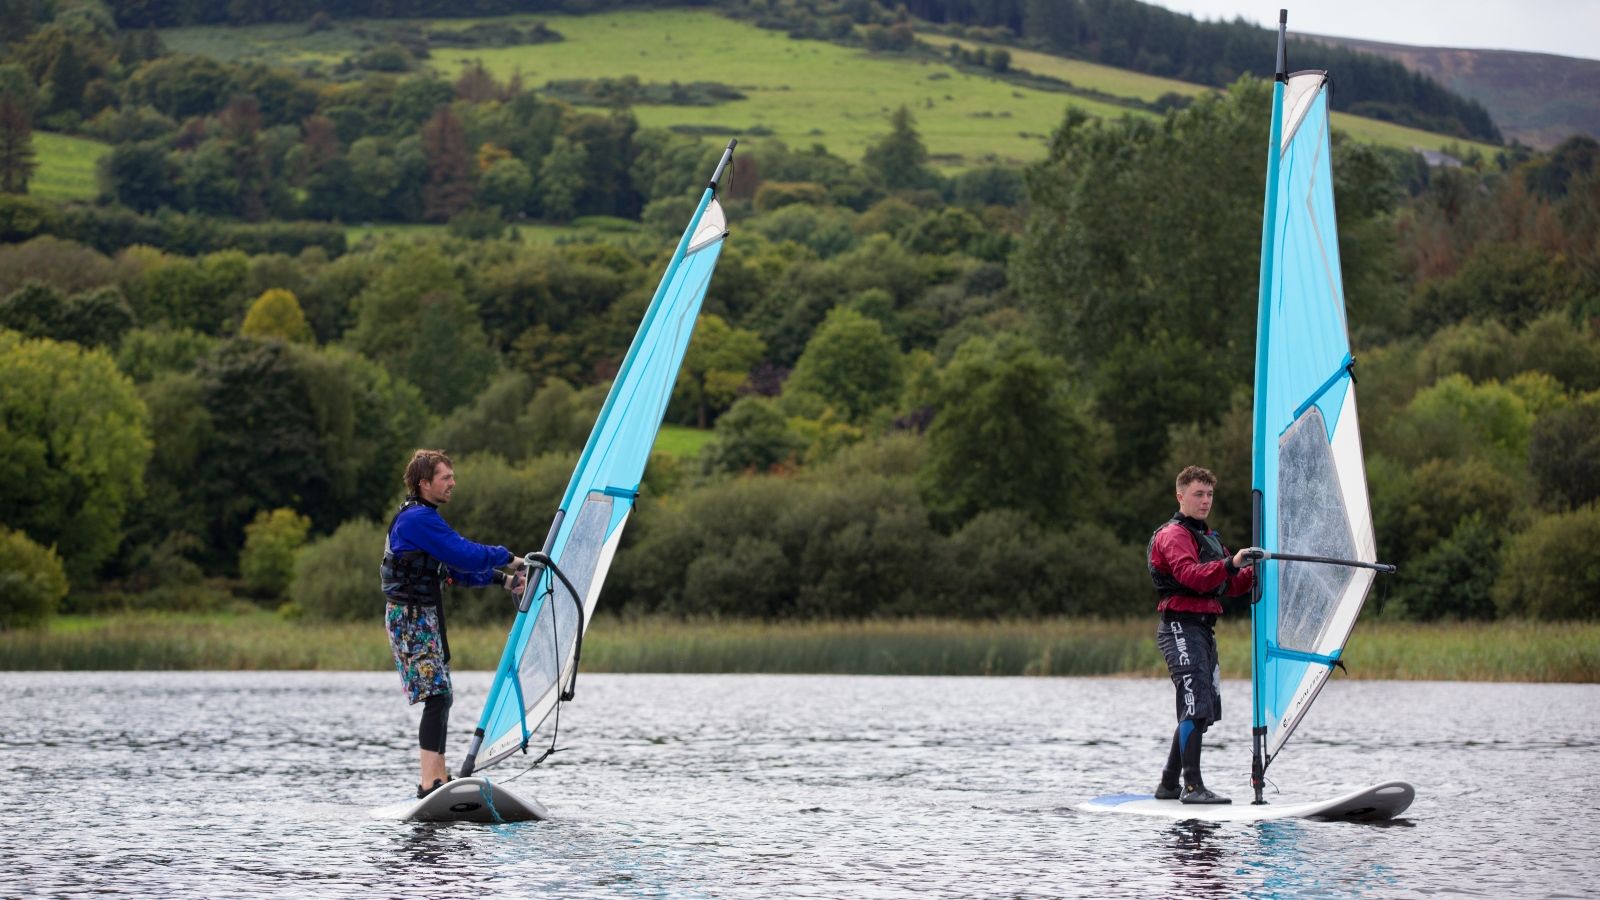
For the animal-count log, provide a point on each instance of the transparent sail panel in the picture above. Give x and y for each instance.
(1312, 521)
(556, 629)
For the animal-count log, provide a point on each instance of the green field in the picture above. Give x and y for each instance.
(252, 639)
(66, 166)
(682, 441)
(1117, 82)
(532, 232)
(803, 92)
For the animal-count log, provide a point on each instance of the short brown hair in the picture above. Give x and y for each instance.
(1194, 473)
(421, 468)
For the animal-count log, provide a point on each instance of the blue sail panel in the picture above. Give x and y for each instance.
(540, 657)
(1307, 462)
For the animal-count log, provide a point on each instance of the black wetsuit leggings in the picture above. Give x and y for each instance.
(435, 722)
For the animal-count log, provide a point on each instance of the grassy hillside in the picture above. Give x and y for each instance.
(1125, 83)
(801, 92)
(66, 166)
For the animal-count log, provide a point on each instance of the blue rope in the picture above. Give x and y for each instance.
(486, 791)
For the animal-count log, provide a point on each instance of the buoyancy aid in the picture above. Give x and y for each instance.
(410, 576)
(1210, 550)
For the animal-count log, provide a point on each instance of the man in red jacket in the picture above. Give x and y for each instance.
(1192, 572)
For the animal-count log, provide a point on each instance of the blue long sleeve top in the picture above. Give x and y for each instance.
(470, 564)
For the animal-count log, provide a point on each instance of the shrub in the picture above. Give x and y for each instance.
(775, 194)
(752, 436)
(336, 578)
(32, 581)
(270, 542)
(1551, 570)
(1564, 453)
(1454, 578)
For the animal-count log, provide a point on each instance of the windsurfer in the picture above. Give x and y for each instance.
(421, 553)
(1192, 572)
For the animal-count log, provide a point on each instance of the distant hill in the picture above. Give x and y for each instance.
(1537, 98)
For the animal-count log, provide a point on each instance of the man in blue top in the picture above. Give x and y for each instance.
(421, 553)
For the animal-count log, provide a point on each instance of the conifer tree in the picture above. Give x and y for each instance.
(17, 162)
(900, 159)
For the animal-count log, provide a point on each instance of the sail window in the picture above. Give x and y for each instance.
(1312, 520)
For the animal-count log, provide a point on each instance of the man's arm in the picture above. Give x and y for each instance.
(471, 564)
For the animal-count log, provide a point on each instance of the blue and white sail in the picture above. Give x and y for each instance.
(539, 665)
(1309, 488)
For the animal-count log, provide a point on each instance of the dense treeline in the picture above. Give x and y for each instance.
(958, 395)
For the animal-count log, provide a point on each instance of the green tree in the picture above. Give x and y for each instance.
(900, 159)
(270, 543)
(1512, 283)
(1111, 247)
(1564, 453)
(140, 176)
(415, 320)
(507, 184)
(97, 318)
(32, 581)
(851, 364)
(494, 422)
(1550, 571)
(35, 310)
(561, 179)
(73, 445)
(263, 448)
(717, 365)
(160, 526)
(276, 314)
(1452, 579)
(182, 85)
(1456, 419)
(147, 352)
(1009, 434)
(1146, 387)
(67, 78)
(752, 436)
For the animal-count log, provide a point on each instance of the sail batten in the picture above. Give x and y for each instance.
(538, 665)
(1308, 471)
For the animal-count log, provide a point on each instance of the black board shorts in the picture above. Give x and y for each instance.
(1190, 649)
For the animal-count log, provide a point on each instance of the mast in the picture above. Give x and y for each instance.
(1269, 219)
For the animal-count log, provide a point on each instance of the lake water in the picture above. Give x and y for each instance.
(258, 785)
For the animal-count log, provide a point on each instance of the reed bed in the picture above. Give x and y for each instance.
(1499, 651)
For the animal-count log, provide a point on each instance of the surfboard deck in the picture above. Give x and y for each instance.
(1370, 804)
(467, 800)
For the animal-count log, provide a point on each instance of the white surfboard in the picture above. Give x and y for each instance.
(1372, 804)
(467, 800)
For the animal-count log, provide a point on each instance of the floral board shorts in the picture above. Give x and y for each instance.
(418, 650)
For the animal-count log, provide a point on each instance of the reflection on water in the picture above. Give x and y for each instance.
(1197, 859)
(212, 784)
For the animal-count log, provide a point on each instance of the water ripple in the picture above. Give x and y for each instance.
(257, 785)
